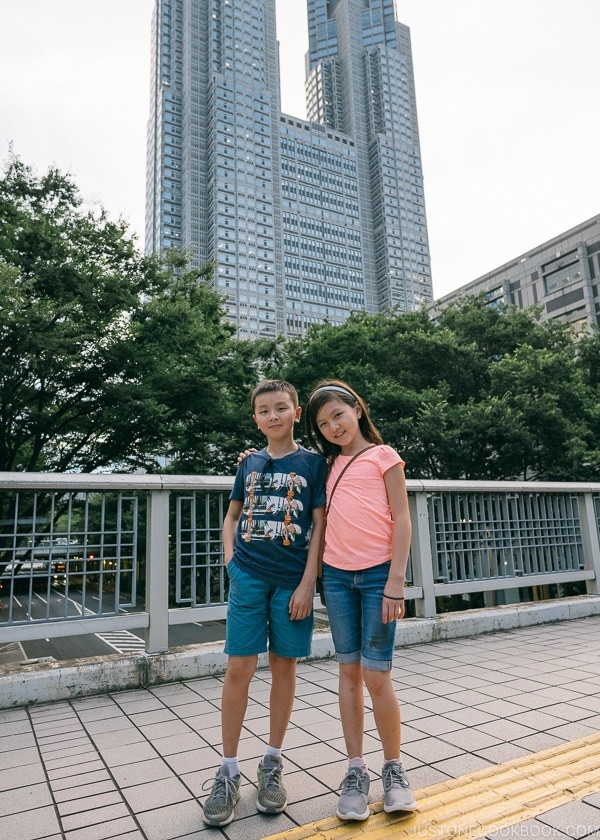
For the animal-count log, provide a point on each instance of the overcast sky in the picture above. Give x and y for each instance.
(507, 97)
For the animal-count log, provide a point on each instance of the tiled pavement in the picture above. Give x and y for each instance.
(132, 764)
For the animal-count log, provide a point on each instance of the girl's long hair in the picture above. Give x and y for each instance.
(327, 391)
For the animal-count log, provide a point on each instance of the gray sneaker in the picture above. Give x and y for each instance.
(398, 795)
(225, 793)
(353, 803)
(271, 798)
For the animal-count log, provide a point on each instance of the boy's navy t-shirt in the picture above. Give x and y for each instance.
(278, 497)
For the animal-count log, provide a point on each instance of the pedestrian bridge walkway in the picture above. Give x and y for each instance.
(501, 737)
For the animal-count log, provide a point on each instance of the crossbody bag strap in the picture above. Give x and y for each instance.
(339, 478)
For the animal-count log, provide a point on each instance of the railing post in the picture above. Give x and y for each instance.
(590, 539)
(422, 561)
(157, 572)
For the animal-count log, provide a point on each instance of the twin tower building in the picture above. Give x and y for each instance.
(303, 220)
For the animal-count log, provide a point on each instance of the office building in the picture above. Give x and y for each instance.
(303, 220)
(561, 276)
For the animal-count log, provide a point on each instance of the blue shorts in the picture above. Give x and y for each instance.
(258, 611)
(354, 603)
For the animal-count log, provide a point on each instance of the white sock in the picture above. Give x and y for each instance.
(272, 752)
(232, 765)
(359, 763)
(392, 761)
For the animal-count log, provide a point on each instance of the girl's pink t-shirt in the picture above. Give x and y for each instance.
(359, 523)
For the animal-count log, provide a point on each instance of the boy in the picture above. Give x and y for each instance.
(278, 495)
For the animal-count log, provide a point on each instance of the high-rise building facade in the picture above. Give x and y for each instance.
(303, 220)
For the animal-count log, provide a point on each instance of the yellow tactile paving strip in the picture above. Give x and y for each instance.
(474, 805)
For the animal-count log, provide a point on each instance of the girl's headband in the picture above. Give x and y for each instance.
(338, 388)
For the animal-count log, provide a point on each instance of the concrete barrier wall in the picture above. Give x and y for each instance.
(47, 682)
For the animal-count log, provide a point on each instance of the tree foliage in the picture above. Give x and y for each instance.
(112, 360)
(107, 358)
(482, 393)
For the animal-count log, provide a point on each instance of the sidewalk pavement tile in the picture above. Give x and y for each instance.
(132, 765)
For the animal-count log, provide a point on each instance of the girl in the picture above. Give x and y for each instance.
(365, 555)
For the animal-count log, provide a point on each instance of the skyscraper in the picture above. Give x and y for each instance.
(304, 220)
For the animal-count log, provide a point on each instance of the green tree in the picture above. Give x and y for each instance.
(481, 393)
(108, 359)
(548, 396)
(200, 377)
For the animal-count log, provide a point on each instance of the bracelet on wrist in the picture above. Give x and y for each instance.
(391, 598)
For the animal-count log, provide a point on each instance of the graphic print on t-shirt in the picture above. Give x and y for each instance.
(270, 504)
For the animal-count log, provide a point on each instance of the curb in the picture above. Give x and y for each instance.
(49, 682)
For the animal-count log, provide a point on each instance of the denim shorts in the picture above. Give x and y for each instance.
(257, 613)
(354, 603)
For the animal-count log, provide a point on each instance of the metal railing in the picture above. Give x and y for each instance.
(90, 553)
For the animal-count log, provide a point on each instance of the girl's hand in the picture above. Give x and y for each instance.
(243, 455)
(393, 607)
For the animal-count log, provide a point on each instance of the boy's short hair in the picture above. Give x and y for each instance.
(268, 386)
